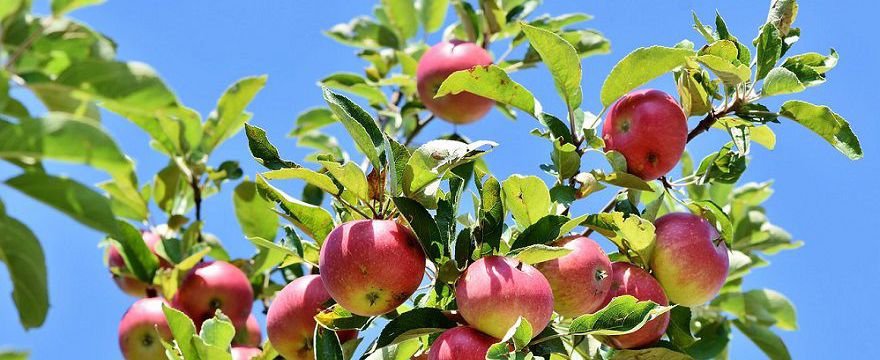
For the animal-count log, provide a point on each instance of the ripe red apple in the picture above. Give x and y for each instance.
(650, 129)
(127, 282)
(290, 323)
(371, 266)
(215, 285)
(461, 343)
(436, 65)
(495, 291)
(245, 352)
(138, 336)
(581, 279)
(689, 260)
(628, 279)
(250, 334)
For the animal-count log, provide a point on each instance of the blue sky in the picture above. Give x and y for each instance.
(200, 47)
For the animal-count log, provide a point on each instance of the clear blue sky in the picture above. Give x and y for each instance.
(200, 47)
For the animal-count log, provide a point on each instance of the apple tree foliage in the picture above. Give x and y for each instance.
(721, 80)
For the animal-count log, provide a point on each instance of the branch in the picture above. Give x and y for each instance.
(419, 126)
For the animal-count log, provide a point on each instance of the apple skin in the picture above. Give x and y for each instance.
(495, 291)
(686, 260)
(215, 285)
(650, 129)
(461, 343)
(127, 282)
(250, 335)
(245, 352)
(290, 322)
(628, 279)
(436, 65)
(138, 339)
(371, 266)
(581, 279)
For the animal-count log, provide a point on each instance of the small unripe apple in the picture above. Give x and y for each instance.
(495, 291)
(436, 65)
(628, 279)
(290, 323)
(461, 343)
(650, 129)
(142, 329)
(245, 352)
(215, 285)
(371, 266)
(690, 260)
(580, 280)
(125, 281)
(250, 334)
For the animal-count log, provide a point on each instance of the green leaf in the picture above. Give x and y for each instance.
(138, 257)
(769, 45)
(125, 202)
(313, 220)
(623, 315)
(10, 7)
(360, 125)
(402, 15)
(622, 179)
(782, 14)
(639, 67)
(430, 163)
(229, 116)
(312, 119)
(130, 86)
(544, 231)
(337, 318)
(520, 334)
(763, 306)
(397, 156)
(538, 253)
(768, 341)
(424, 226)
(254, 212)
(432, 14)
(730, 72)
(826, 123)
(76, 200)
(679, 330)
(355, 84)
(217, 331)
(650, 354)
(363, 32)
(21, 252)
(561, 59)
(310, 176)
(631, 232)
(491, 215)
(716, 216)
(62, 7)
(566, 159)
(413, 324)
(781, 81)
(818, 62)
(491, 82)
(12, 354)
(351, 177)
(183, 330)
(263, 151)
(402, 351)
(526, 197)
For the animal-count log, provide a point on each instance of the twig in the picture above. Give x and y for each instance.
(419, 126)
(26, 44)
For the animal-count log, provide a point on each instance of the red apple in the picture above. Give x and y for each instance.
(371, 266)
(245, 352)
(125, 281)
(436, 65)
(628, 279)
(461, 343)
(290, 323)
(650, 129)
(138, 335)
(250, 334)
(581, 279)
(495, 291)
(215, 285)
(690, 260)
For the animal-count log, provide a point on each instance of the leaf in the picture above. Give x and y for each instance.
(432, 14)
(263, 151)
(183, 330)
(217, 331)
(544, 231)
(622, 179)
(639, 67)
(716, 216)
(782, 14)
(630, 232)
(397, 156)
(402, 351)
(26, 264)
(650, 354)
(491, 82)
(769, 46)
(431, 161)
(818, 62)
(826, 123)
(351, 177)
(138, 257)
(566, 159)
(313, 220)
(68, 196)
(623, 315)
(526, 197)
(769, 342)
(679, 330)
(229, 115)
(360, 125)
(402, 15)
(538, 253)
(561, 59)
(363, 32)
(424, 226)
(413, 324)
(781, 81)
(254, 212)
(356, 85)
(312, 119)
(520, 334)
(61, 7)
(730, 73)
(763, 306)
(310, 176)
(337, 318)
(491, 215)
(131, 86)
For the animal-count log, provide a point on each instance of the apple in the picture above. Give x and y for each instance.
(250, 334)
(581, 279)
(142, 329)
(436, 65)
(628, 279)
(495, 291)
(215, 285)
(245, 352)
(690, 260)
(125, 281)
(461, 343)
(290, 322)
(371, 266)
(650, 129)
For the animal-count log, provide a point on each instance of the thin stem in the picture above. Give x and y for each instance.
(419, 126)
(352, 207)
(26, 45)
